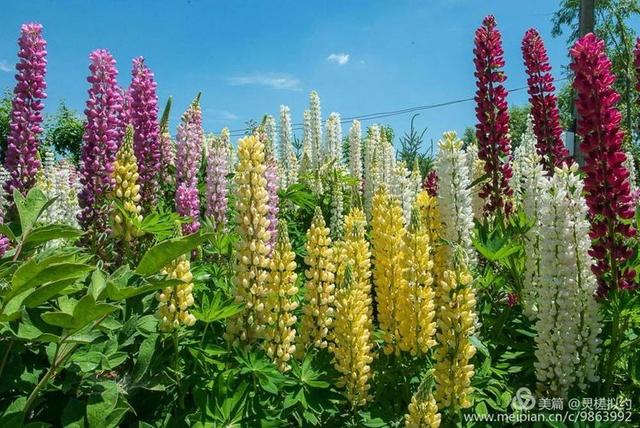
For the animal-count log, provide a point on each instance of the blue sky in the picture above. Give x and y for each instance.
(248, 57)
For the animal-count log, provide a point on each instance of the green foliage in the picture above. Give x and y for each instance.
(63, 131)
(518, 123)
(5, 118)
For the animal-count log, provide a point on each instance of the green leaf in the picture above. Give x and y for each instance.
(85, 312)
(158, 256)
(6, 231)
(50, 232)
(145, 354)
(46, 292)
(216, 309)
(13, 416)
(30, 208)
(477, 343)
(122, 293)
(73, 414)
(101, 405)
(481, 408)
(98, 284)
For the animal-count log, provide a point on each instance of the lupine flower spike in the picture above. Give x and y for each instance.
(217, 170)
(174, 302)
(607, 180)
(492, 130)
(25, 125)
(544, 105)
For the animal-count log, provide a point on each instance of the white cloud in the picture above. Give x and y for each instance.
(4, 66)
(339, 58)
(220, 115)
(274, 80)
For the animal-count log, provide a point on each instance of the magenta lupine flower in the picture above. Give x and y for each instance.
(144, 117)
(26, 114)
(217, 170)
(271, 174)
(607, 180)
(189, 140)
(544, 104)
(101, 140)
(492, 130)
(431, 183)
(188, 205)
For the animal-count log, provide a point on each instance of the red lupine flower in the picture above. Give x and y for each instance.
(544, 104)
(492, 130)
(431, 183)
(26, 114)
(607, 180)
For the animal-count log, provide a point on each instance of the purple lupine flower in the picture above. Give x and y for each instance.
(271, 175)
(189, 140)
(144, 117)
(217, 170)
(26, 115)
(101, 134)
(125, 113)
(188, 205)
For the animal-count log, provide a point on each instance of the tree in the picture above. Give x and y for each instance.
(5, 117)
(410, 143)
(518, 116)
(612, 24)
(64, 132)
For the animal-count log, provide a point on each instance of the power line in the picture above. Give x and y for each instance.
(381, 115)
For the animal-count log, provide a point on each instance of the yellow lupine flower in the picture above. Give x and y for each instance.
(279, 332)
(417, 325)
(423, 412)
(387, 238)
(318, 310)
(251, 249)
(126, 191)
(427, 207)
(352, 345)
(175, 301)
(456, 324)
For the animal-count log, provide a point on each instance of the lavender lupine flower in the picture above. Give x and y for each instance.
(144, 117)
(217, 170)
(272, 205)
(189, 141)
(100, 138)
(26, 118)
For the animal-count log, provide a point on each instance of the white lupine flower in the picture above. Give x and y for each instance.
(315, 123)
(631, 167)
(531, 196)
(476, 170)
(388, 158)
(568, 322)
(402, 189)
(333, 135)
(272, 135)
(521, 157)
(306, 134)
(55, 182)
(355, 154)
(288, 162)
(4, 177)
(454, 196)
(336, 218)
(372, 166)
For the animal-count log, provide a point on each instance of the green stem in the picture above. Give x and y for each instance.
(5, 357)
(204, 333)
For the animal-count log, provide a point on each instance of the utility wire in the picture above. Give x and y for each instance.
(381, 115)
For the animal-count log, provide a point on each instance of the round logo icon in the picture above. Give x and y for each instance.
(524, 400)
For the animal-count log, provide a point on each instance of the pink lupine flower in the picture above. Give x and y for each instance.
(492, 130)
(144, 117)
(217, 170)
(101, 141)
(26, 115)
(607, 180)
(544, 104)
(189, 140)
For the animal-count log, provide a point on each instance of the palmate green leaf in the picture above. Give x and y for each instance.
(216, 309)
(85, 312)
(107, 407)
(158, 256)
(118, 293)
(50, 232)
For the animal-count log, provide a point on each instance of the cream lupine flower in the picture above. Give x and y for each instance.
(417, 298)
(315, 131)
(271, 134)
(521, 160)
(387, 238)
(173, 309)
(373, 170)
(475, 165)
(251, 250)
(279, 332)
(423, 412)
(388, 157)
(456, 324)
(568, 322)
(318, 310)
(454, 196)
(355, 153)
(631, 167)
(532, 184)
(306, 134)
(54, 179)
(126, 192)
(352, 345)
(403, 188)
